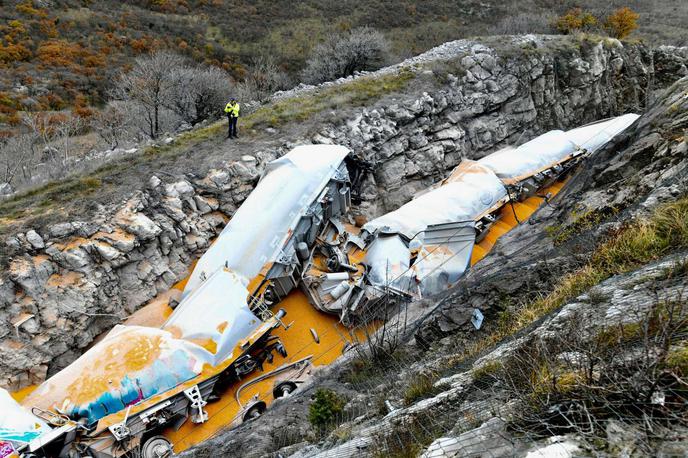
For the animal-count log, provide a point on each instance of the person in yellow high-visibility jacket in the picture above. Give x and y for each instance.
(232, 110)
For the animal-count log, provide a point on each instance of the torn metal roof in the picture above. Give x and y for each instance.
(215, 316)
(256, 232)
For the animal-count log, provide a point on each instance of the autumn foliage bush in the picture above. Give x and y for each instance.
(576, 20)
(14, 53)
(78, 47)
(27, 8)
(621, 23)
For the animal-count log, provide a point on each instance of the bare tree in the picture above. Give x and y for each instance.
(64, 131)
(54, 132)
(16, 158)
(341, 55)
(112, 123)
(148, 84)
(197, 93)
(46, 138)
(264, 78)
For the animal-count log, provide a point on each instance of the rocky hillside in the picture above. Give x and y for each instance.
(57, 54)
(583, 348)
(68, 280)
(82, 255)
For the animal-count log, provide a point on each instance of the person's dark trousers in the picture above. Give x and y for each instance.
(232, 126)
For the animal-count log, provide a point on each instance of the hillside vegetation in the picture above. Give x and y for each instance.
(64, 53)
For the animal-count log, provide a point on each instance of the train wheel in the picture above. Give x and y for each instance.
(255, 411)
(284, 389)
(156, 447)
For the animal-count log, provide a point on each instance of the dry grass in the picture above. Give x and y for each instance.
(582, 221)
(421, 386)
(410, 437)
(356, 93)
(613, 375)
(486, 370)
(630, 247)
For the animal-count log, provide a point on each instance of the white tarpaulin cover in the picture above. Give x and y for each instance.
(594, 136)
(468, 192)
(215, 316)
(259, 228)
(471, 190)
(532, 157)
(17, 425)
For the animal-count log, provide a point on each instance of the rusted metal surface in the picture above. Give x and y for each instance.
(130, 365)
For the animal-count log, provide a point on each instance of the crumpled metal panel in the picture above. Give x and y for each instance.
(17, 425)
(594, 136)
(257, 231)
(389, 258)
(471, 190)
(531, 157)
(445, 256)
(131, 364)
(215, 316)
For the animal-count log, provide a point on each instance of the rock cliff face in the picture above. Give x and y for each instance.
(69, 282)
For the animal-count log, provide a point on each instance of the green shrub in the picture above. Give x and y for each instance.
(421, 386)
(325, 408)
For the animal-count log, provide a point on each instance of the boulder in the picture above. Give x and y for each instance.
(6, 189)
(35, 240)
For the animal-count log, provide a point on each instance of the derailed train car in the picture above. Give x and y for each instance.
(116, 396)
(291, 232)
(425, 246)
(114, 399)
